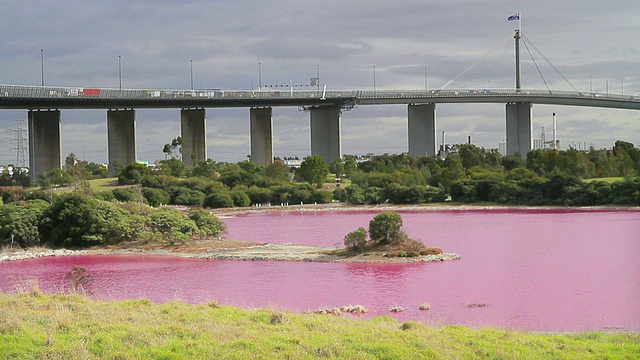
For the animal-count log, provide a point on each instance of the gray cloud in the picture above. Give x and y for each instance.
(226, 40)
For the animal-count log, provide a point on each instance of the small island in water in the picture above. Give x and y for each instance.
(384, 241)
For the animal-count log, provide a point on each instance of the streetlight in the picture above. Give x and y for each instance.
(426, 78)
(191, 63)
(42, 64)
(374, 76)
(120, 70)
(259, 76)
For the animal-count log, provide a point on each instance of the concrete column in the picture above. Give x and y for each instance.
(261, 136)
(121, 138)
(326, 138)
(519, 129)
(422, 130)
(45, 150)
(193, 127)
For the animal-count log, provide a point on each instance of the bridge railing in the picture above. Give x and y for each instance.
(52, 92)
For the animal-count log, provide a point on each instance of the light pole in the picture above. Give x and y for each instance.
(318, 76)
(259, 76)
(191, 64)
(120, 70)
(426, 78)
(42, 65)
(374, 76)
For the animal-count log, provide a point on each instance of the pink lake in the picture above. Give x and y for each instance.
(535, 269)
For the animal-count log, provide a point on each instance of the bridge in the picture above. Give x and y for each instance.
(325, 107)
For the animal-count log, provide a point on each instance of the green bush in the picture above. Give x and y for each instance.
(386, 227)
(218, 199)
(155, 197)
(186, 196)
(124, 195)
(356, 240)
(240, 198)
(207, 223)
(259, 195)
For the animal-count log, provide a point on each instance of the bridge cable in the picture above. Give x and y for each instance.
(538, 68)
(499, 62)
(473, 65)
(550, 63)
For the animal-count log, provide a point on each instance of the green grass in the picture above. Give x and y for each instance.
(34, 325)
(605, 179)
(103, 184)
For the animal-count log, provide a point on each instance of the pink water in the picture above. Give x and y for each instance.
(557, 270)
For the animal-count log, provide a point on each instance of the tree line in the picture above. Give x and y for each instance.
(468, 174)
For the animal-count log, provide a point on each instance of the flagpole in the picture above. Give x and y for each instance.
(520, 22)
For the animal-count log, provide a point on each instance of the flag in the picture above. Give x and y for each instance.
(515, 16)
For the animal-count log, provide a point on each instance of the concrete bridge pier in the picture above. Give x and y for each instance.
(519, 128)
(326, 139)
(193, 129)
(121, 138)
(261, 135)
(45, 151)
(422, 129)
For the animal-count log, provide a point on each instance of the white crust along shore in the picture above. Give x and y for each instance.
(269, 252)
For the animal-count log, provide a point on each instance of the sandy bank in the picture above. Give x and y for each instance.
(252, 252)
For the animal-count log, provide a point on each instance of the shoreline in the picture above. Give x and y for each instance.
(228, 249)
(258, 252)
(228, 212)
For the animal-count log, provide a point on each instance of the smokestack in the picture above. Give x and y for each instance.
(444, 147)
(469, 140)
(555, 141)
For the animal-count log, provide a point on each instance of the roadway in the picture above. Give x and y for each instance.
(49, 97)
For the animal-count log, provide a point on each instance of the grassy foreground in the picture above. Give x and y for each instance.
(34, 325)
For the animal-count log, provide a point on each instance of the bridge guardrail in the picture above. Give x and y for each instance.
(51, 92)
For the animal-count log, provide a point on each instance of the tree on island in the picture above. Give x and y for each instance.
(385, 231)
(385, 228)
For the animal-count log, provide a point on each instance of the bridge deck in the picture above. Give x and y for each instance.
(37, 97)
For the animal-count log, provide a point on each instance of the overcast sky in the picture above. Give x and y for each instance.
(593, 43)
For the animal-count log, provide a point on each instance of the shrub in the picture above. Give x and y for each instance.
(218, 199)
(171, 223)
(133, 174)
(155, 197)
(240, 198)
(186, 196)
(259, 195)
(385, 227)
(79, 278)
(431, 251)
(322, 196)
(207, 223)
(124, 195)
(338, 194)
(356, 240)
